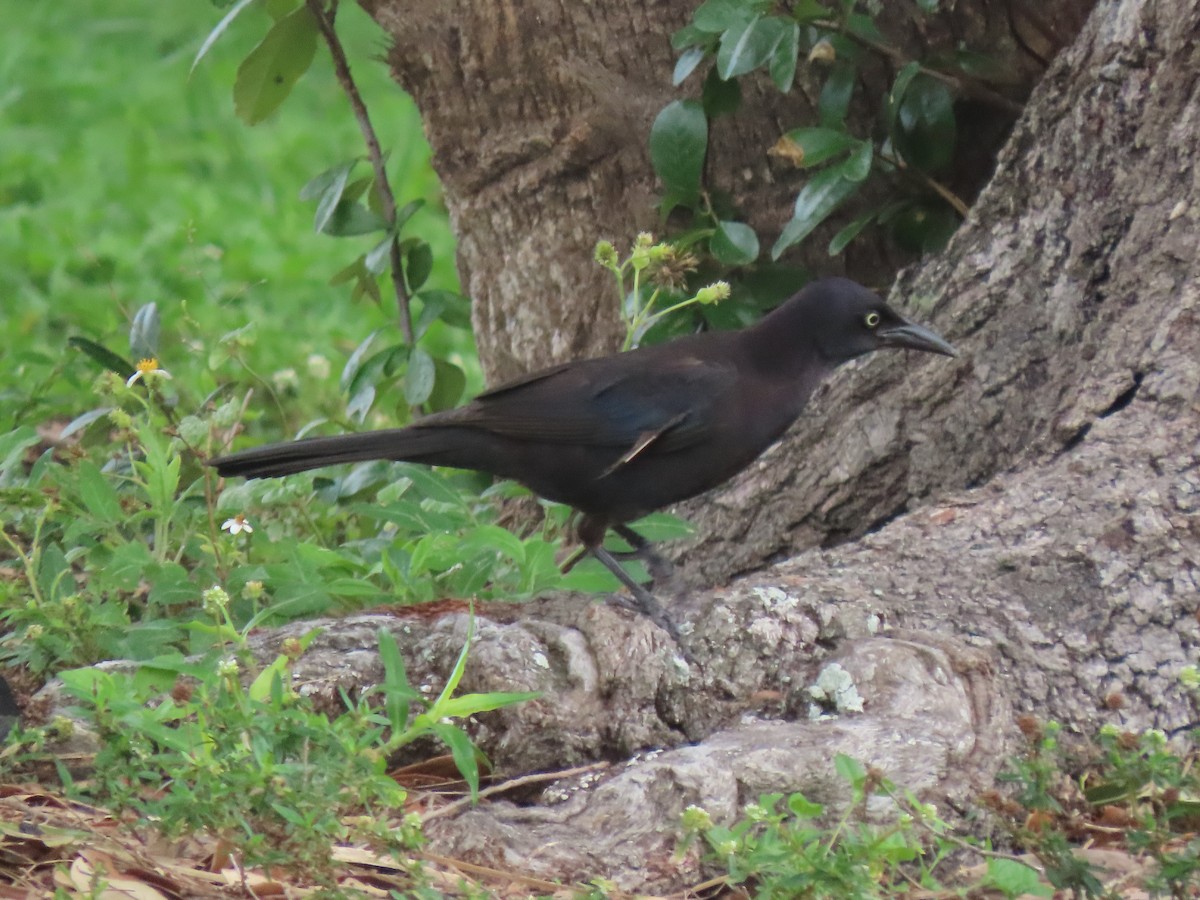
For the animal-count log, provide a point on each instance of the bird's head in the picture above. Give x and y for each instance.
(844, 320)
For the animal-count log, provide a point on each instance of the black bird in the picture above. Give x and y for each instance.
(620, 436)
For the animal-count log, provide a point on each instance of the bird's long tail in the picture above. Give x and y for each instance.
(410, 444)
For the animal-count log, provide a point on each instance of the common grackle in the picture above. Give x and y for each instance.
(621, 436)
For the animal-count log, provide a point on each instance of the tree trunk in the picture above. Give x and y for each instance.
(1058, 290)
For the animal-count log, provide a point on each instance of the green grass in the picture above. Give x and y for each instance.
(124, 181)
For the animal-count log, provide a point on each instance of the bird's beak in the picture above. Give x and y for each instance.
(911, 336)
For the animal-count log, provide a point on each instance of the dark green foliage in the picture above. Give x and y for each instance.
(913, 146)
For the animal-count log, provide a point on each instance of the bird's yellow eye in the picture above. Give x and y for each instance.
(872, 319)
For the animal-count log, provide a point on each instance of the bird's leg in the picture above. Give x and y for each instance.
(657, 565)
(591, 533)
(660, 568)
(643, 601)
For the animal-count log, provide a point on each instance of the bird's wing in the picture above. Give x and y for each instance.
(642, 403)
(524, 381)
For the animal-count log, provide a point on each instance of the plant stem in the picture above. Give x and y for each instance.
(936, 186)
(965, 85)
(324, 18)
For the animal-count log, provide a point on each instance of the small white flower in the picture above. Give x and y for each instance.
(147, 368)
(285, 380)
(318, 366)
(237, 525)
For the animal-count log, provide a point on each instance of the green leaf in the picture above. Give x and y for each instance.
(658, 527)
(817, 145)
(769, 284)
(128, 566)
(418, 263)
(398, 694)
(98, 495)
(1106, 792)
(453, 309)
(352, 219)
(356, 273)
(449, 383)
(824, 193)
(923, 227)
(493, 538)
(851, 770)
(903, 79)
(218, 30)
(783, 60)
(82, 421)
(277, 9)
(103, 355)
(331, 195)
(318, 184)
(378, 367)
(686, 64)
(419, 378)
(12, 450)
(54, 573)
(982, 66)
(720, 97)
(143, 333)
(354, 363)
(803, 808)
(469, 704)
(1015, 879)
(358, 187)
(863, 26)
(464, 752)
(717, 16)
(678, 142)
(377, 258)
(690, 36)
(172, 588)
(809, 11)
(858, 166)
(267, 75)
(430, 484)
(260, 688)
(928, 6)
(925, 131)
(734, 244)
(404, 213)
(850, 232)
(836, 94)
(460, 666)
(746, 46)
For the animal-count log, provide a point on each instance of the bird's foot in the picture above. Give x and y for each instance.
(643, 601)
(653, 611)
(660, 568)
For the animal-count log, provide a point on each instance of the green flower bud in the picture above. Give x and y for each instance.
(714, 293)
(214, 599)
(696, 818)
(606, 254)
